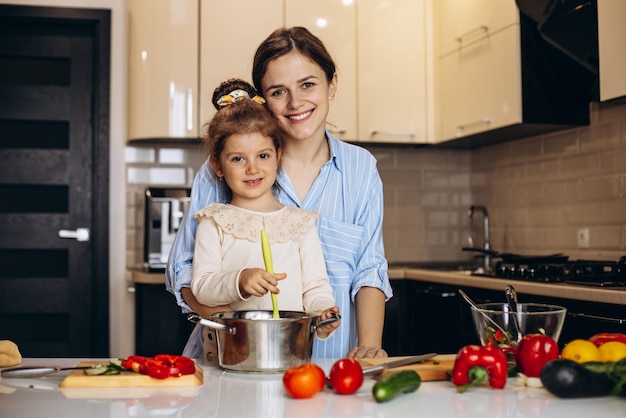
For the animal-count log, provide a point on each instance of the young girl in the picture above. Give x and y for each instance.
(245, 144)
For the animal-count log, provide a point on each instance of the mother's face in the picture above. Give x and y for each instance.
(298, 94)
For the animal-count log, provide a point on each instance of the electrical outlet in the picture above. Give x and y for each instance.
(583, 238)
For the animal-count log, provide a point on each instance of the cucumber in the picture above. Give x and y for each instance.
(396, 383)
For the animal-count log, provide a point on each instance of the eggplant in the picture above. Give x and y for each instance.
(567, 379)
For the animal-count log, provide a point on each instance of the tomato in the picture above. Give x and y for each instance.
(533, 352)
(346, 376)
(605, 337)
(304, 381)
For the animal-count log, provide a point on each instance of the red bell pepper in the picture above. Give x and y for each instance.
(476, 364)
(135, 363)
(605, 337)
(160, 366)
(533, 352)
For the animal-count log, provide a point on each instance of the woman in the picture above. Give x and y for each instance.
(295, 74)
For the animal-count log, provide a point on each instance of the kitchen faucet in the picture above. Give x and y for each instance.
(486, 244)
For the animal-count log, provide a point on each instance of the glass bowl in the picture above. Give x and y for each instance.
(532, 318)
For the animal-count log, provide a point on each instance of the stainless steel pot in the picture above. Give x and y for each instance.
(253, 341)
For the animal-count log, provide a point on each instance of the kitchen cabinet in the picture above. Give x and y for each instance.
(159, 325)
(383, 93)
(498, 80)
(612, 49)
(422, 318)
(229, 38)
(179, 53)
(426, 316)
(163, 69)
(583, 319)
(334, 22)
(395, 71)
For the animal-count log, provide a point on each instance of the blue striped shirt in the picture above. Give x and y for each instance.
(348, 195)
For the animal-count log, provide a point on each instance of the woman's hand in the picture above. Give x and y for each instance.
(324, 331)
(366, 352)
(257, 282)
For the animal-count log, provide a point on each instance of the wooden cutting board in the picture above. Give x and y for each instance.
(78, 379)
(436, 368)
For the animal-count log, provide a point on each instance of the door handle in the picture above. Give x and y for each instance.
(79, 234)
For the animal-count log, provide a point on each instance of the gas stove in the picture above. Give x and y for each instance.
(559, 268)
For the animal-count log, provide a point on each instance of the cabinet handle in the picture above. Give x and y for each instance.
(481, 121)
(409, 134)
(337, 131)
(482, 28)
(189, 109)
(619, 321)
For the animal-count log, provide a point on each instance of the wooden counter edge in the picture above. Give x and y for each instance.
(613, 295)
(143, 277)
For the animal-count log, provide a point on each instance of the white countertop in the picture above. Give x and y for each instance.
(227, 394)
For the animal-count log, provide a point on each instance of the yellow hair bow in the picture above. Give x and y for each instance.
(236, 96)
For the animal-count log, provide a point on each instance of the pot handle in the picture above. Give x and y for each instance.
(335, 317)
(197, 319)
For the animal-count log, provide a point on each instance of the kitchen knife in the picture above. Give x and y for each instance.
(374, 370)
(32, 372)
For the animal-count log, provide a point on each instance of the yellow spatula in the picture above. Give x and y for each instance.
(267, 258)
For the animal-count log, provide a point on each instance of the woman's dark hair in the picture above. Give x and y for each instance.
(241, 117)
(285, 40)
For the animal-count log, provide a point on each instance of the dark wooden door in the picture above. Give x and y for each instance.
(54, 70)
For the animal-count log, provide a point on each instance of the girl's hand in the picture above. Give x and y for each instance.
(324, 331)
(257, 282)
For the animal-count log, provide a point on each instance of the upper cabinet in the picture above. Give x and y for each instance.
(395, 71)
(334, 22)
(163, 69)
(180, 50)
(230, 32)
(497, 79)
(612, 49)
(381, 50)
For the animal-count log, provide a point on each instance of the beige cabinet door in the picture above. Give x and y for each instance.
(461, 22)
(480, 86)
(230, 32)
(612, 48)
(163, 69)
(334, 22)
(393, 71)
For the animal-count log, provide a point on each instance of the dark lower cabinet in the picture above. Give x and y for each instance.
(421, 318)
(428, 317)
(583, 319)
(160, 327)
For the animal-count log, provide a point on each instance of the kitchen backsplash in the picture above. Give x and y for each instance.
(539, 192)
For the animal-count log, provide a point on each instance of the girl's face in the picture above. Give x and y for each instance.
(249, 163)
(297, 93)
